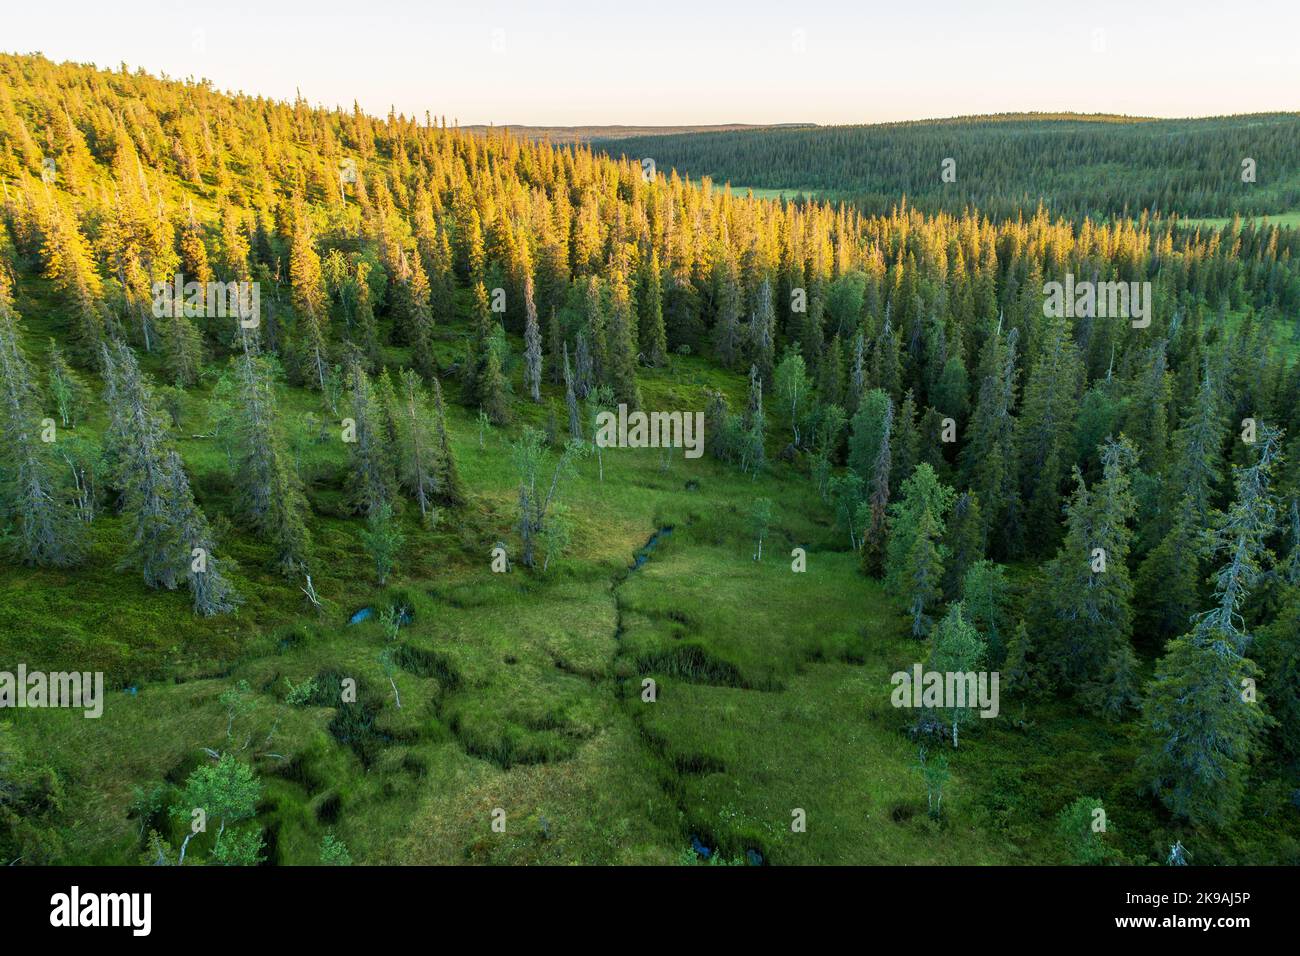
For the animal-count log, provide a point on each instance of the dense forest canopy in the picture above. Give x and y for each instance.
(1074, 165)
(1103, 509)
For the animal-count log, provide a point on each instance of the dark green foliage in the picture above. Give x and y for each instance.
(964, 539)
(1166, 587)
(1278, 653)
(1024, 674)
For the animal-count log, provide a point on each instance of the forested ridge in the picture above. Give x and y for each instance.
(1074, 164)
(888, 387)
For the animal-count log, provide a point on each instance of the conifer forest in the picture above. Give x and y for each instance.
(734, 489)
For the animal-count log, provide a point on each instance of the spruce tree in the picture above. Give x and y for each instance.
(269, 492)
(762, 333)
(170, 535)
(68, 261)
(369, 477)
(599, 399)
(1166, 585)
(532, 345)
(309, 302)
(415, 313)
(571, 399)
(622, 335)
(1022, 673)
(654, 336)
(1147, 423)
(211, 592)
(1203, 723)
(907, 442)
(416, 454)
(479, 344)
(727, 335)
(390, 415)
(858, 374)
(383, 539)
(584, 372)
(874, 539)
(988, 460)
(137, 446)
(830, 380)
(555, 345)
(828, 424)
(491, 387)
(915, 554)
(182, 348)
(1197, 463)
(194, 254)
(964, 541)
(448, 487)
(48, 532)
(1201, 734)
(367, 333)
(752, 436)
(233, 247)
(1045, 428)
(1277, 649)
(1086, 604)
(887, 363)
(596, 329)
(442, 280)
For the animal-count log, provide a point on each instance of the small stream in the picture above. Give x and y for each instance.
(365, 613)
(642, 555)
(702, 851)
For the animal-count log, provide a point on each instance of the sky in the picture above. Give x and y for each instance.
(700, 62)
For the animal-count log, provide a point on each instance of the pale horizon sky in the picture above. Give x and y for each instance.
(681, 63)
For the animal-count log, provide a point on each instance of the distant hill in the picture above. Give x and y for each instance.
(1078, 164)
(575, 134)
